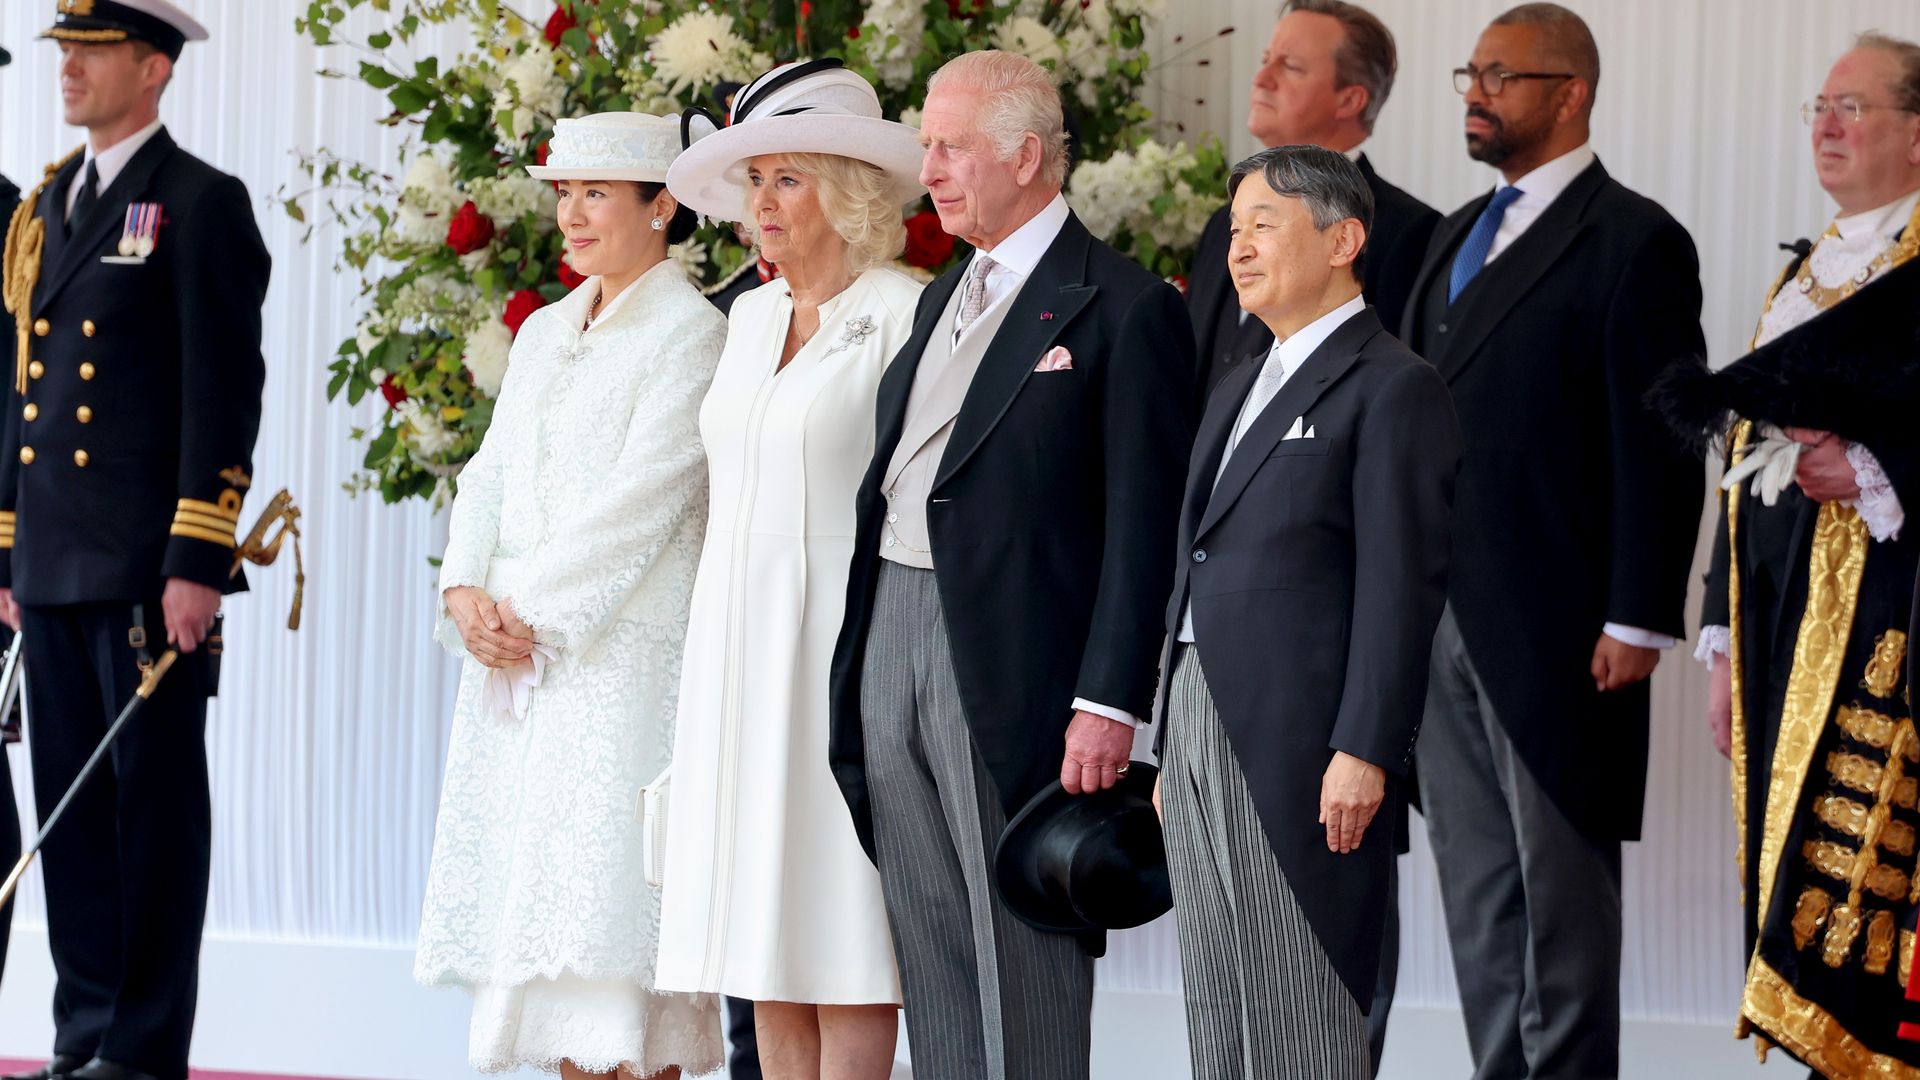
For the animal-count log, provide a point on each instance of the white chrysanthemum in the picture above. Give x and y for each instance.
(1147, 9)
(486, 356)
(910, 116)
(530, 87)
(427, 197)
(370, 333)
(1032, 39)
(422, 429)
(506, 199)
(894, 28)
(692, 257)
(1118, 194)
(700, 49)
(1086, 55)
(647, 93)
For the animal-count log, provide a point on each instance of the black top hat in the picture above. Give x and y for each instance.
(157, 22)
(1070, 864)
(5, 56)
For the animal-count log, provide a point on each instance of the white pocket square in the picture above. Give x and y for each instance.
(1057, 359)
(1294, 432)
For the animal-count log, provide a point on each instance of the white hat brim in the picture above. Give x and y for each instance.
(561, 172)
(710, 176)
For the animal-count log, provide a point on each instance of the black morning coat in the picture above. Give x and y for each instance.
(1052, 514)
(1396, 245)
(1576, 506)
(1317, 567)
(144, 389)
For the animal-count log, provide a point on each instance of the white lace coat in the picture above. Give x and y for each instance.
(585, 507)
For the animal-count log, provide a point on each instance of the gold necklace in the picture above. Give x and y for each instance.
(1825, 296)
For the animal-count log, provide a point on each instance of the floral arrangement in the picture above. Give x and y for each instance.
(460, 248)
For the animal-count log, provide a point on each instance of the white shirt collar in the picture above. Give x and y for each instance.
(1293, 352)
(1544, 184)
(1353, 155)
(1887, 220)
(1022, 250)
(112, 161)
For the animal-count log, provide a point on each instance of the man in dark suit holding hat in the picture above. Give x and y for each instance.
(137, 287)
(1310, 574)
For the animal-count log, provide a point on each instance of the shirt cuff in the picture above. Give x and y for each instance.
(1877, 505)
(1638, 638)
(1715, 642)
(1108, 711)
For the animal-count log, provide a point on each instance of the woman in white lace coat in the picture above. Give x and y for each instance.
(768, 895)
(566, 585)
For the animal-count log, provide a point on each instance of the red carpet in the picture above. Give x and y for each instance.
(8, 1065)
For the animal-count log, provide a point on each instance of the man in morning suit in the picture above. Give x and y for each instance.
(1011, 559)
(1549, 306)
(9, 814)
(1323, 79)
(137, 391)
(1310, 573)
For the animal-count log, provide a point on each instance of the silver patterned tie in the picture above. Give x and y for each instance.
(974, 300)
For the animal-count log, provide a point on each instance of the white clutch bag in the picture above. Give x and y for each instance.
(653, 823)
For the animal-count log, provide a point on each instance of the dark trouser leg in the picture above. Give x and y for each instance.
(987, 997)
(1389, 975)
(743, 1053)
(1532, 906)
(127, 867)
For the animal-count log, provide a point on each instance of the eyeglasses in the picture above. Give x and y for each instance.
(1492, 82)
(1851, 110)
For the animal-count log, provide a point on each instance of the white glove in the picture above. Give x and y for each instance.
(1771, 463)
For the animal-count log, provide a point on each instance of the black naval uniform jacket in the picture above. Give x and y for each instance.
(1396, 243)
(131, 451)
(1576, 507)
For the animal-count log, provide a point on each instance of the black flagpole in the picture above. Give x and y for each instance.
(148, 684)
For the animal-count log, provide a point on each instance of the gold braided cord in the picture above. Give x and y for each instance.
(20, 267)
(261, 550)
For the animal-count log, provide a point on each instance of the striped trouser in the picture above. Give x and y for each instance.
(1263, 1001)
(987, 996)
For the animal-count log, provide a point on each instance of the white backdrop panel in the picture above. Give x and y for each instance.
(326, 746)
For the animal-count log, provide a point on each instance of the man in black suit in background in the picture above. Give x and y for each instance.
(138, 401)
(1323, 79)
(1011, 558)
(9, 815)
(1310, 574)
(1549, 305)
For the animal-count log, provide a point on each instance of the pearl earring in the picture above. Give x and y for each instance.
(658, 224)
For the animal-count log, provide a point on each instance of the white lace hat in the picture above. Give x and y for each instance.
(806, 107)
(617, 146)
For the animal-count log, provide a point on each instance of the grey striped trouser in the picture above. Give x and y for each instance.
(987, 996)
(1263, 1001)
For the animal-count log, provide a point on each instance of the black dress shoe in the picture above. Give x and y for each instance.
(99, 1069)
(57, 1069)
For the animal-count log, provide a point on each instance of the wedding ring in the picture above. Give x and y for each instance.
(1122, 770)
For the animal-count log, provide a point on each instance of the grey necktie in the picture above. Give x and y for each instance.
(974, 300)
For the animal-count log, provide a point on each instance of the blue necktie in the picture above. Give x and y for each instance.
(1473, 253)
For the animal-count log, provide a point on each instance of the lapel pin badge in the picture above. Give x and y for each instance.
(1046, 316)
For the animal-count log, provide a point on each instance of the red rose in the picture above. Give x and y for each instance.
(540, 153)
(561, 22)
(927, 244)
(393, 392)
(1179, 281)
(853, 34)
(570, 277)
(520, 306)
(469, 231)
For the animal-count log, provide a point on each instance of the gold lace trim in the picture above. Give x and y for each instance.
(1810, 1032)
(1883, 671)
(1841, 863)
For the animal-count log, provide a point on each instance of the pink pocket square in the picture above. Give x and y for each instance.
(1057, 359)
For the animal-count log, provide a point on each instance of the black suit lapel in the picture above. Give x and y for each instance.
(1446, 239)
(1318, 372)
(1500, 287)
(1053, 294)
(85, 239)
(1210, 443)
(53, 217)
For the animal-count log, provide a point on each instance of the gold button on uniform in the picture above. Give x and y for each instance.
(87, 327)
(80, 458)
(83, 414)
(26, 455)
(42, 327)
(86, 372)
(32, 412)
(36, 369)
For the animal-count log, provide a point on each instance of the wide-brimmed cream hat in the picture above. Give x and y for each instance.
(806, 107)
(618, 146)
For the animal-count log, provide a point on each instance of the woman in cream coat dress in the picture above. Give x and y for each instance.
(768, 895)
(568, 572)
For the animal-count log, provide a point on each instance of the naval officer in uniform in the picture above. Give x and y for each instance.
(9, 817)
(137, 275)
